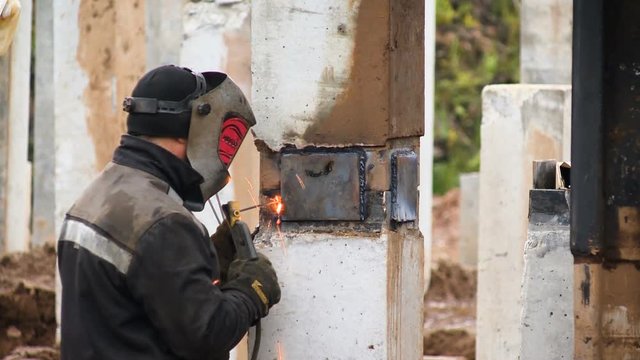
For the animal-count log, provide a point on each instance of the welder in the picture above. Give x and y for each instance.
(141, 278)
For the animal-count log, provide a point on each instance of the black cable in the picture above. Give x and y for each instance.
(256, 343)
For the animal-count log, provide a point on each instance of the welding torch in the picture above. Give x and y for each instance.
(245, 249)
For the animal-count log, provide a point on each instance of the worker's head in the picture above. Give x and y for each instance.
(200, 118)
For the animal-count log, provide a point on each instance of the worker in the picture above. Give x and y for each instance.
(141, 279)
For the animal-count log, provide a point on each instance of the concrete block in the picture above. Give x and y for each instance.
(546, 28)
(520, 123)
(469, 205)
(331, 83)
(547, 326)
(337, 300)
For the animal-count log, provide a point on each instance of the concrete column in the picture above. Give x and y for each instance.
(547, 288)
(346, 86)
(15, 171)
(520, 123)
(545, 41)
(43, 128)
(469, 204)
(426, 141)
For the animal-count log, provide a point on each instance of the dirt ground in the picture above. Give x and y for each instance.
(27, 300)
(27, 305)
(450, 302)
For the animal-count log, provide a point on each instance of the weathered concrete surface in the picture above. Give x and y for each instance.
(4, 143)
(163, 32)
(43, 223)
(520, 123)
(547, 289)
(18, 169)
(359, 296)
(109, 54)
(345, 71)
(469, 205)
(605, 331)
(546, 28)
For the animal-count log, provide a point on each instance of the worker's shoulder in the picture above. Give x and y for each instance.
(125, 202)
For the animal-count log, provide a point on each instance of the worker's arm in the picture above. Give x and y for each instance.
(171, 276)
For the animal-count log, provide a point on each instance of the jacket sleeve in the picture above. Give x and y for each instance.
(171, 276)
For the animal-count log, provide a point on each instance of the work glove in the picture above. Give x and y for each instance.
(223, 243)
(257, 279)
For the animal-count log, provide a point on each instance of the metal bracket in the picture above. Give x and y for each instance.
(404, 186)
(323, 184)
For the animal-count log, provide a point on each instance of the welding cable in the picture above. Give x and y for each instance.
(256, 342)
(258, 334)
(214, 211)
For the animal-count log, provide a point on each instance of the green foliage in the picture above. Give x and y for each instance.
(477, 43)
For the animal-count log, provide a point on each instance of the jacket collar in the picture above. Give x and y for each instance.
(140, 154)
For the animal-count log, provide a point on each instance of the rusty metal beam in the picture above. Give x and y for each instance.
(605, 222)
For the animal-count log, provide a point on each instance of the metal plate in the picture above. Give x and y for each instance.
(404, 186)
(317, 186)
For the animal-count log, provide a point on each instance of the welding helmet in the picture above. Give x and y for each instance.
(208, 109)
(220, 120)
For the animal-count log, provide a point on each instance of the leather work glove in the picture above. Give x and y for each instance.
(256, 278)
(223, 243)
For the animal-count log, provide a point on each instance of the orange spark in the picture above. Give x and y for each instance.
(279, 349)
(250, 191)
(300, 182)
(277, 207)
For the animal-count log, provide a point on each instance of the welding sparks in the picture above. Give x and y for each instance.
(300, 182)
(279, 350)
(277, 207)
(250, 190)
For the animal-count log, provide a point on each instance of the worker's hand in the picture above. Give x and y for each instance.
(225, 248)
(256, 278)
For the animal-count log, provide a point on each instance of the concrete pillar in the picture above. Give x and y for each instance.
(469, 204)
(340, 104)
(545, 41)
(547, 288)
(15, 170)
(520, 123)
(426, 141)
(43, 127)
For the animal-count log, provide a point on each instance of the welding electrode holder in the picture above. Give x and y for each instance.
(239, 232)
(245, 249)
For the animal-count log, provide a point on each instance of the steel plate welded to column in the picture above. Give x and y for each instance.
(404, 186)
(323, 186)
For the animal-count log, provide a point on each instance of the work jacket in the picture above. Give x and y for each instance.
(139, 272)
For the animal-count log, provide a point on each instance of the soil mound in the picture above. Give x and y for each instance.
(27, 301)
